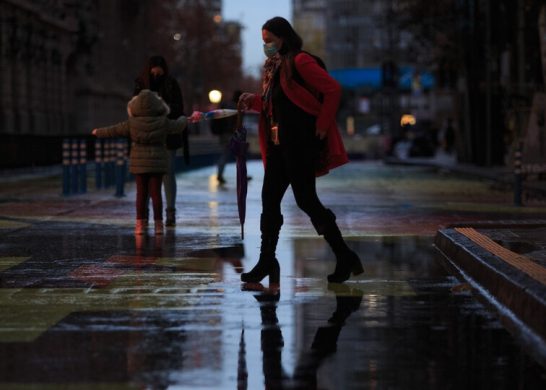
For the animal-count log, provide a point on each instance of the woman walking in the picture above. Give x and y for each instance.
(299, 140)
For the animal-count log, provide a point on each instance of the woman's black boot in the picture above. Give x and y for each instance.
(267, 265)
(347, 261)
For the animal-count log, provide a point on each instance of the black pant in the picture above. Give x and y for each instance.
(286, 167)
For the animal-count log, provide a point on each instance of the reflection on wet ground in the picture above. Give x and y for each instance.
(149, 317)
(86, 304)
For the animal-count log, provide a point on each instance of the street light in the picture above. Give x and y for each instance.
(215, 96)
(407, 119)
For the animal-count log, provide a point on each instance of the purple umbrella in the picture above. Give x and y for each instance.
(239, 148)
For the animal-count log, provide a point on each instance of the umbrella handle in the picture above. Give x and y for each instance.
(240, 114)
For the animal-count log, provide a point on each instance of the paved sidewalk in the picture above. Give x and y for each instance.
(86, 304)
(504, 175)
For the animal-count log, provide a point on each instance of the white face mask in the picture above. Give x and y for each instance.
(270, 49)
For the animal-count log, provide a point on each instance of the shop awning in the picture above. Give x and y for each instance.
(357, 78)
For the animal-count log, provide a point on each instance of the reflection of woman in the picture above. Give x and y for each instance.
(299, 140)
(324, 344)
(156, 77)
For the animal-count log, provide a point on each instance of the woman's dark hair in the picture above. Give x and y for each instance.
(158, 61)
(143, 80)
(282, 28)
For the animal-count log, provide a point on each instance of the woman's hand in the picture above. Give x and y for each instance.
(321, 133)
(245, 101)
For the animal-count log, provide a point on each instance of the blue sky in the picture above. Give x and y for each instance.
(252, 14)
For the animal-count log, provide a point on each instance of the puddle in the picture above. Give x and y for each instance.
(156, 315)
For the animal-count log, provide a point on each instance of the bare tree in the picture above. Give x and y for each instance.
(205, 52)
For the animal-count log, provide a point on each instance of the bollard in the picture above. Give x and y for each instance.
(110, 162)
(98, 164)
(83, 166)
(66, 166)
(74, 166)
(105, 162)
(518, 175)
(125, 166)
(106, 166)
(120, 167)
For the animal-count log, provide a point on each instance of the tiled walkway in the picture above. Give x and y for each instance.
(86, 304)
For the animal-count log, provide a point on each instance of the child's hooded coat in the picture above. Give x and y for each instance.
(147, 127)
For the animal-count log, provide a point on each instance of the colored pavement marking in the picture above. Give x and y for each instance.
(372, 287)
(8, 262)
(9, 224)
(102, 275)
(97, 275)
(516, 260)
(394, 288)
(26, 313)
(490, 208)
(72, 386)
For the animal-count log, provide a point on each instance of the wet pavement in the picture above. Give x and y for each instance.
(86, 304)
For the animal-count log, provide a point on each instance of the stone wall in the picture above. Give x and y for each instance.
(66, 66)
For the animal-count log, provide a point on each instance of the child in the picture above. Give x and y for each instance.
(147, 127)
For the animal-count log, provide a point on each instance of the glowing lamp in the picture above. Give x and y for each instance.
(407, 119)
(215, 96)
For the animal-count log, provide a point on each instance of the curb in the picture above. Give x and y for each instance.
(517, 291)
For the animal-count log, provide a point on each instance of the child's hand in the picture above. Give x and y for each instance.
(94, 132)
(195, 116)
(245, 101)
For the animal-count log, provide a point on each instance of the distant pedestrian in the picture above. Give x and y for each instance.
(224, 128)
(299, 140)
(148, 127)
(449, 136)
(156, 77)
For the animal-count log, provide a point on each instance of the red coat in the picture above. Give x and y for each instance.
(319, 80)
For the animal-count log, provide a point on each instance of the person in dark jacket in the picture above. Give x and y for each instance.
(224, 128)
(156, 77)
(148, 127)
(299, 140)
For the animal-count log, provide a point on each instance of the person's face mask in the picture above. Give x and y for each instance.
(156, 72)
(270, 49)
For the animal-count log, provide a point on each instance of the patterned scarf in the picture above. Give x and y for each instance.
(270, 68)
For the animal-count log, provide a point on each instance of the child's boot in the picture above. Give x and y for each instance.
(146, 217)
(140, 226)
(171, 217)
(158, 227)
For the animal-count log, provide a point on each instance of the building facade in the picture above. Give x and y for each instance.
(309, 20)
(358, 40)
(351, 33)
(68, 66)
